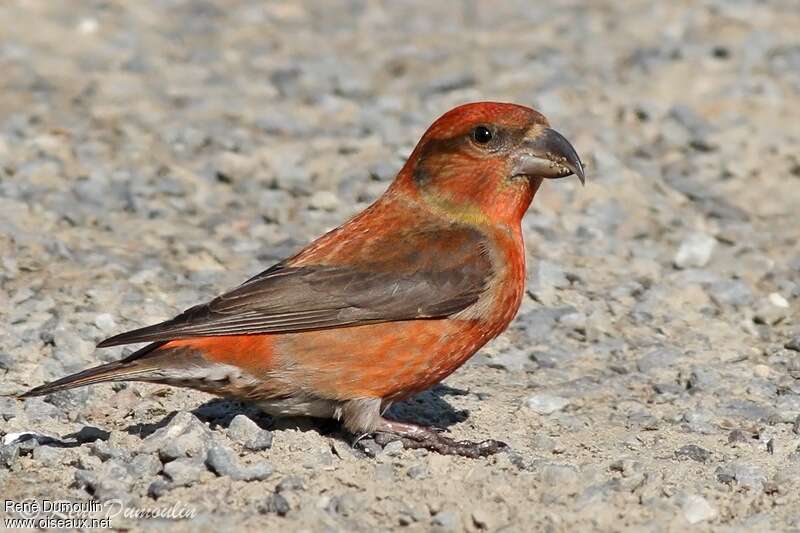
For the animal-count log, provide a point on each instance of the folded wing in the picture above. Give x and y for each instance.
(414, 285)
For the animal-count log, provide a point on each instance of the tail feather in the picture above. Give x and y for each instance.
(135, 366)
(109, 372)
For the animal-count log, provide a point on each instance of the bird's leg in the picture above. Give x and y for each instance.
(413, 436)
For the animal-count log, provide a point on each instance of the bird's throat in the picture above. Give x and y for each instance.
(463, 212)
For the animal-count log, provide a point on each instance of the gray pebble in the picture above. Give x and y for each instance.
(50, 456)
(417, 472)
(183, 436)
(105, 322)
(409, 514)
(384, 473)
(560, 477)
(324, 201)
(247, 433)
(482, 519)
(663, 356)
(223, 462)
(745, 475)
(545, 404)
(548, 278)
(274, 503)
(596, 492)
(70, 349)
(144, 465)
(370, 447)
(702, 379)
(290, 483)
(9, 453)
(393, 448)
(552, 357)
(694, 452)
(700, 421)
(746, 409)
(38, 410)
(158, 488)
(644, 420)
(695, 251)
(536, 325)
(104, 451)
(793, 344)
(448, 520)
(184, 471)
(576, 321)
(544, 443)
(109, 481)
(737, 435)
(345, 505)
(262, 441)
(769, 314)
(86, 461)
(750, 476)
(626, 466)
(731, 292)
(696, 509)
(8, 406)
(689, 119)
(669, 389)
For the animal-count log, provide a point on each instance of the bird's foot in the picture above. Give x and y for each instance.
(414, 437)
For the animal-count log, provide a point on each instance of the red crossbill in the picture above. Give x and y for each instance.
(382, 307)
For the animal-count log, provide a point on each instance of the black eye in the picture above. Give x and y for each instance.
(482, 135)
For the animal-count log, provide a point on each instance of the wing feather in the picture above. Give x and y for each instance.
(288, 298)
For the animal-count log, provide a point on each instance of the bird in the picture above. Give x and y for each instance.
(382, 307)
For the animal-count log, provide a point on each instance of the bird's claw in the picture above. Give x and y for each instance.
(463, 448)
(446, 446)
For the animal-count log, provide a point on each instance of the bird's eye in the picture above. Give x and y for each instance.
(482, 134)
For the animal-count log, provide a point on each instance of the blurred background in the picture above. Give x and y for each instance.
(155, 153)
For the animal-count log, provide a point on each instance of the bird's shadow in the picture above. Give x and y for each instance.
(429, 408)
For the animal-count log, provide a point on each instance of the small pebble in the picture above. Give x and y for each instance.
(274, 503)
(545, 404)
(737, 435)
(694, 452)
(778, 301)
(247, 433)
(793, 343)
(447, 520)
(223, 462)
(393, 448)
(184, 471)
(290, 483)
(695, 251)
(696, 509)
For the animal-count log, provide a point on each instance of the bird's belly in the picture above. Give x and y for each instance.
(390, 360)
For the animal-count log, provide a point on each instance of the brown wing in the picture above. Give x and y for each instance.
(418, 282)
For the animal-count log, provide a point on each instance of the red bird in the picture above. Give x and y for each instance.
(382, 307)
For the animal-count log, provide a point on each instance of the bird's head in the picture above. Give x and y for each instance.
(482, 162)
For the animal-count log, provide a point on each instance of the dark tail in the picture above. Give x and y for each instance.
(136, 366)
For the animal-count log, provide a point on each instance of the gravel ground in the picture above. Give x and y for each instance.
(153, 154)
